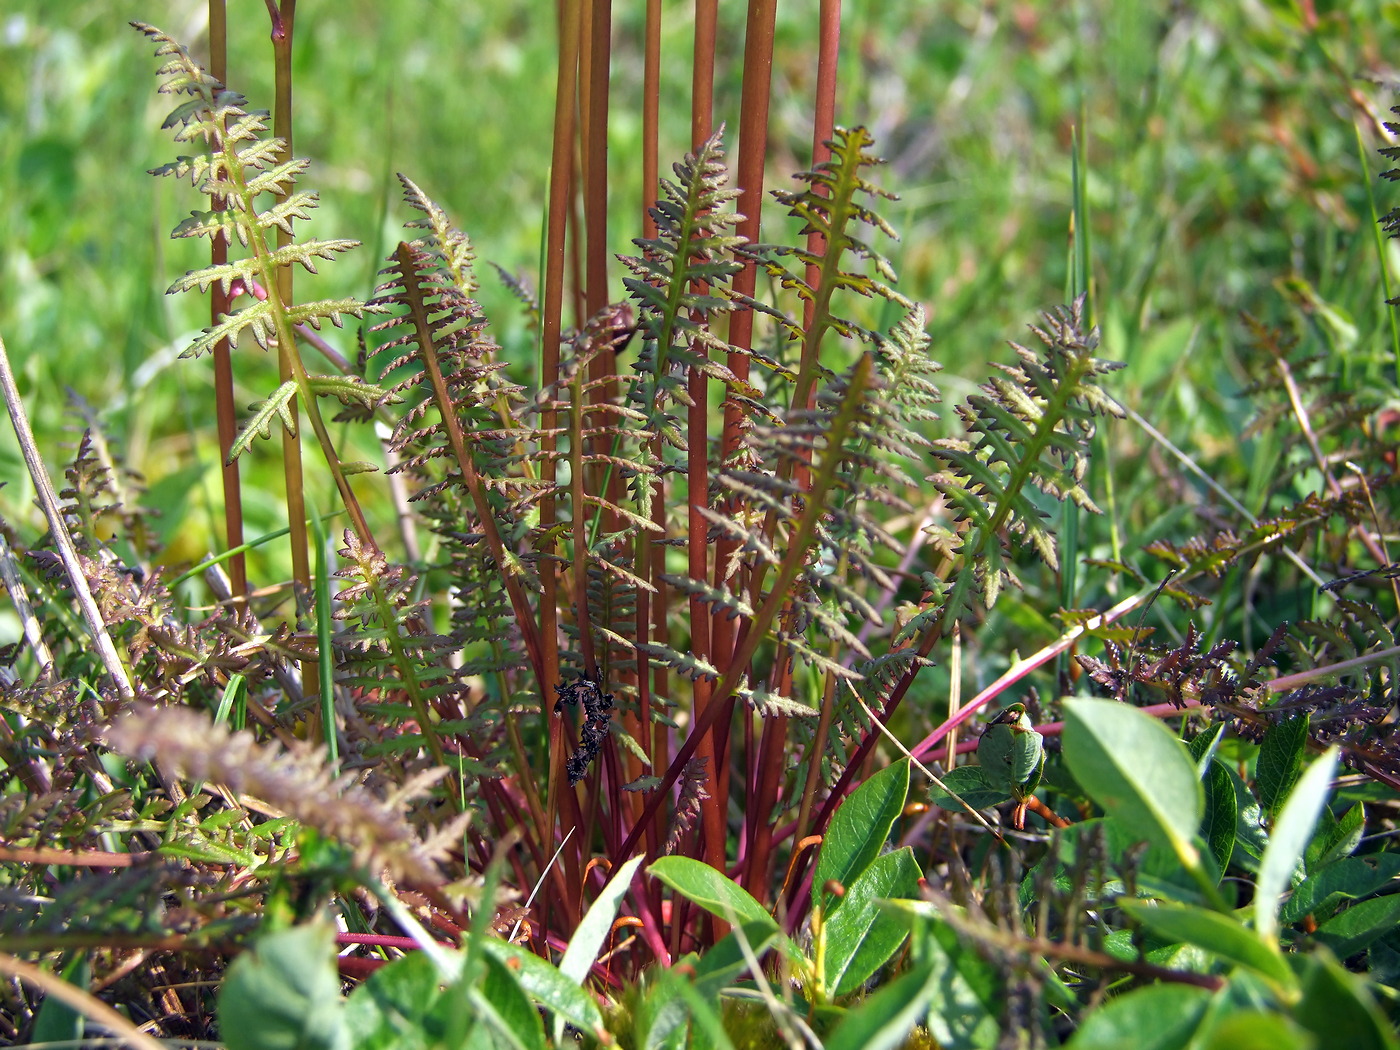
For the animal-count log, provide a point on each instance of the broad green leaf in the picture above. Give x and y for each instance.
(969, 784)
(885, 1020)
(712, 890)
(506, 1009)
(1216, 933)
(1335, 837)
(1347, 932)
(1158, 1017)
(1250, 837)
(663, 1016)
(725, 963)
(1281, 761)
(969, 991)
(284, 994)
(1337, 1007)
(1011, 753)
(593, 931)
(1350, 878)
(392, 1009)
(547, 985)
(1203, 746)
(707, 1029)
(1290, 836)
(860, 936)
(1255, 1030)
(1218, 828)
(1132, 766)
(858, 831)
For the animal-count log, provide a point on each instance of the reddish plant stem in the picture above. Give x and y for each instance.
(712, 809)
(823, 127)
(551, 325)
(649, 566)
(219, 304)
(752, 150)
(283, 23)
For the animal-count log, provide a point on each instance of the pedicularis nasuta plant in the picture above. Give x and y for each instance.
(681, 575)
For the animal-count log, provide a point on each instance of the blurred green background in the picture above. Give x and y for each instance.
(1223, 174)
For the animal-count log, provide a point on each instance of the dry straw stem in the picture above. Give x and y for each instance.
(79, 1000)
(48, 500)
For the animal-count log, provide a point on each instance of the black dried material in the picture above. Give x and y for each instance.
(597, 714)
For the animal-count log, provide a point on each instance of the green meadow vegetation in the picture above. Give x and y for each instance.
(704, 525)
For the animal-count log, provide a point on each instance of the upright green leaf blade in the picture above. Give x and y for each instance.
(884, 1021)
(56, 1020)
(394, 1007)
(507, 1009)
(550, 988)
(597, 924)
(1221, 814)
(1335, 838)
(861, 936)
(1290, 837)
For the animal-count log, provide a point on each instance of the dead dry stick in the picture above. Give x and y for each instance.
(89, 1006)
(48, 500)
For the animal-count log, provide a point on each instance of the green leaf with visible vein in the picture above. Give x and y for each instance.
(1281, 761)
(858, 831)
(1132, 766)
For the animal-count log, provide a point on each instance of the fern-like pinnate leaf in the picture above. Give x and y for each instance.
(1028, 427)
(680, 280)
(237, 164)
(451, 245)
(459, 437)
(832, 205)
(259, 424)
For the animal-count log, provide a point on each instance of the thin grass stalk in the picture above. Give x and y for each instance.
(1382, 262)
(1077, 284)
(225, 408)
